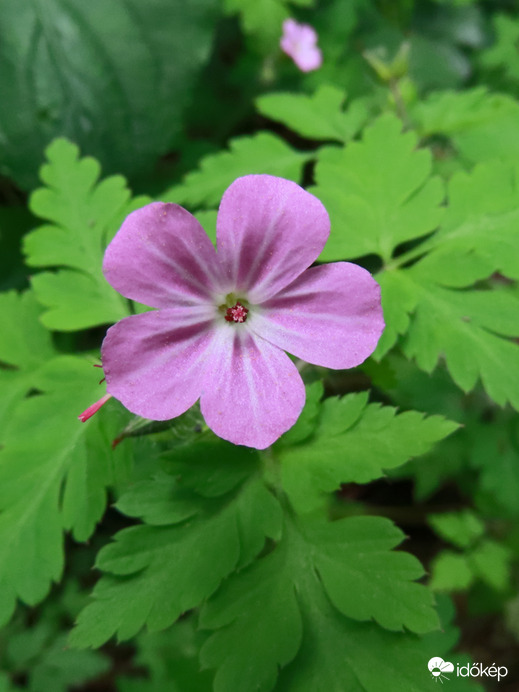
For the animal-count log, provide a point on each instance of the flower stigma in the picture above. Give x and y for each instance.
(233, 309)
(238, 313)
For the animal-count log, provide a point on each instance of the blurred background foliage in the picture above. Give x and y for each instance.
(182, 96)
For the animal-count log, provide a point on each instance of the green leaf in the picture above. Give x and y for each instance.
(60, 668)
(85, 214)
(24, 347)
(263, 595)
(494, 450)
(338, 654)
(355, 442)
(480, 125)
(319, 116)
(54, 472)
(378, 192)
(210, 466)
(455, 323)
(399, 300)
(451, 572)
(490, 561)
(503, 53)
(159, 502)
(476, 239)
(26, 344)
(478, 235)
(260, 153)
(459, 528)
(68, 71)
(260, 613)
(363, 579)
(164, 570)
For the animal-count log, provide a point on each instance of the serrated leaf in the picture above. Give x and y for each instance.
(478, 235)
(283, 591)
(378, 192)
(46, 448)
(319, 116)
(477, 238)
(457, 323)
(260, 153)
(263, 595)
(355, 443)
(85, 215)
(339, 654)
(166, 570)
(363, 579)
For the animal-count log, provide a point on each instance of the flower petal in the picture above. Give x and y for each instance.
(162, 257)
(299, 41)
(154, 362)
(330, 316)
(269, 230)
(253, 392)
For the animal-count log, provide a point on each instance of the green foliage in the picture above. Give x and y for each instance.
(378, 192)
(261, 153)
(85, 214)
(282, 598)
(54, 478)
(503, 53)
(171, 658)
(481, 558)
(381, 188)
(229, 568)
(480, 125)
(169, 566)
(461, 528)
(354, 443)
(67, 70)
(23, 349)
(319, 116)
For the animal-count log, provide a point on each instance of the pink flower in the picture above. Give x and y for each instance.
(299, 41)
(225, 317)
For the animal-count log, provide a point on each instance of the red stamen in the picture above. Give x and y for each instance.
(238, 313)
(94, 408)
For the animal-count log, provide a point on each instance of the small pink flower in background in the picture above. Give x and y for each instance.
(225, 317)
(299, 41)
